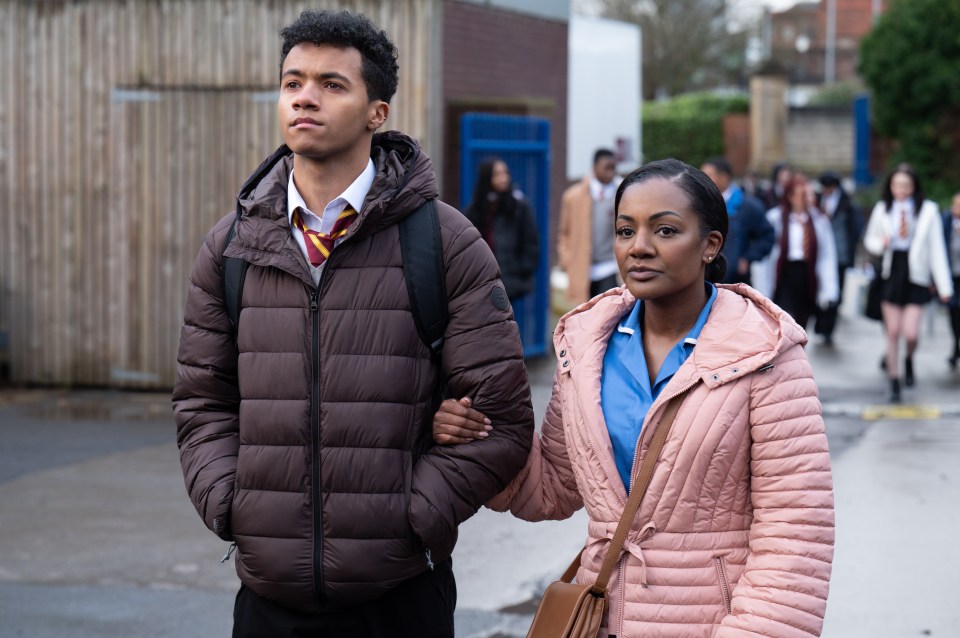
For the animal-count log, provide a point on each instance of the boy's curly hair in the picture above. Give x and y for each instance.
(345, 29)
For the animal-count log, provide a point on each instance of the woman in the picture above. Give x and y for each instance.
(802, 267)
(951, 233)
(734, 536)
(847, 225)
(906, 229)
(508, 226)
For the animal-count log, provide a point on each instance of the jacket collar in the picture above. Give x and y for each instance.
(404, 181)
(744, 332)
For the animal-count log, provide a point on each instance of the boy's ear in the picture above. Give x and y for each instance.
(379, 110)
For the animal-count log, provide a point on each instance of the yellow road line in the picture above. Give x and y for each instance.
(905, 412)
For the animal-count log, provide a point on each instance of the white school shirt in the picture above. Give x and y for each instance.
(795, 230)
(899, 208)
(353, 195)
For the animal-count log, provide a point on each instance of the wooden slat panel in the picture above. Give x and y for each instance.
(9, 186)
(132, 126)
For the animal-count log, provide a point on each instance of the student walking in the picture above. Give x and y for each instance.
(906, 229)
(751, 236)
(507, 223)
(847, 225)
(734, 536)
(585, 235)
(802, 268)
(304, 430)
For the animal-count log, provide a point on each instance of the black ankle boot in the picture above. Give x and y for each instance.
(894, 390)
(952, 361)
(908, 379)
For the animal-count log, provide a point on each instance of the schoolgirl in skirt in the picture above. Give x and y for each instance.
(801, 270)
(906, 230)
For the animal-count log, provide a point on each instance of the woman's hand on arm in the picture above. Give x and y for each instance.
(457, 422)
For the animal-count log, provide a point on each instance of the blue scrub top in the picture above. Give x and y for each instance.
(625, 392)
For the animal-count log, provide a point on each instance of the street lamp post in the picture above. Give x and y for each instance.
(802, 44)
(830, 63)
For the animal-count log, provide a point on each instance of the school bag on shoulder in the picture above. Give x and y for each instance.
(422, 254)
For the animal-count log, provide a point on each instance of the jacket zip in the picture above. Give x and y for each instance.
(315, 428)
(315, 435)
(724, 586)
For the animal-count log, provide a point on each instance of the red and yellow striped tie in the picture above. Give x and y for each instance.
(319, 245)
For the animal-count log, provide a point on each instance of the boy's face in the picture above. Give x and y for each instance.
(605, 169)
(721, 179)
(323, 110)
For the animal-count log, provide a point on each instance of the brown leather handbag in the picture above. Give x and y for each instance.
(572, 610)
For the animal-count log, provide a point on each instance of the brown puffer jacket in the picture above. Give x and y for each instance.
(311, 448)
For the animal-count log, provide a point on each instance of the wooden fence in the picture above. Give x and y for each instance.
(126, 129)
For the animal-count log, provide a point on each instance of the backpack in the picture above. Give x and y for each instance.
(422, 254)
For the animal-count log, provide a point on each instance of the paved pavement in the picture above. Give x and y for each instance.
(98, 539)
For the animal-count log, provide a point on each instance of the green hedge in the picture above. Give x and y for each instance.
(688, 127)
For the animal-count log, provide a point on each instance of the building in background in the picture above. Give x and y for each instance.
(814, 49)
(800, 38)
(853, 19)
(504, 95)
(506, 57)
(793, 33)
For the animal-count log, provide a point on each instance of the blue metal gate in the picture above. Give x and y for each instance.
(861, 118)
(524, 144)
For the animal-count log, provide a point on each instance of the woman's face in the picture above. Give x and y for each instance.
(500, 180)
(784, 177)
(901, 185)
(798, 194)
(955, 206)
(658, 245)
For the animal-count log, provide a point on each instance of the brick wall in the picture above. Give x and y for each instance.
(854, 20)
(500, 61)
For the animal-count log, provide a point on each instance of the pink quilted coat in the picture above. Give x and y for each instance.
(734, 538)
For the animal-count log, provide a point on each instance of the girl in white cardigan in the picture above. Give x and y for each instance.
(906, 229)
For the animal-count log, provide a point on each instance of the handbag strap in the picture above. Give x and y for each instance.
(644, 476)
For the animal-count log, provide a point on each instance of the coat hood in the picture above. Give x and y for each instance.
(744, 332)
(404, 180)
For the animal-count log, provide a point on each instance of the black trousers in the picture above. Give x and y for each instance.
(827, 317)
(421, 607)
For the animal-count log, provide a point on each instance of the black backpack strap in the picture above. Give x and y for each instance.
(423, 271)
(234, 272)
